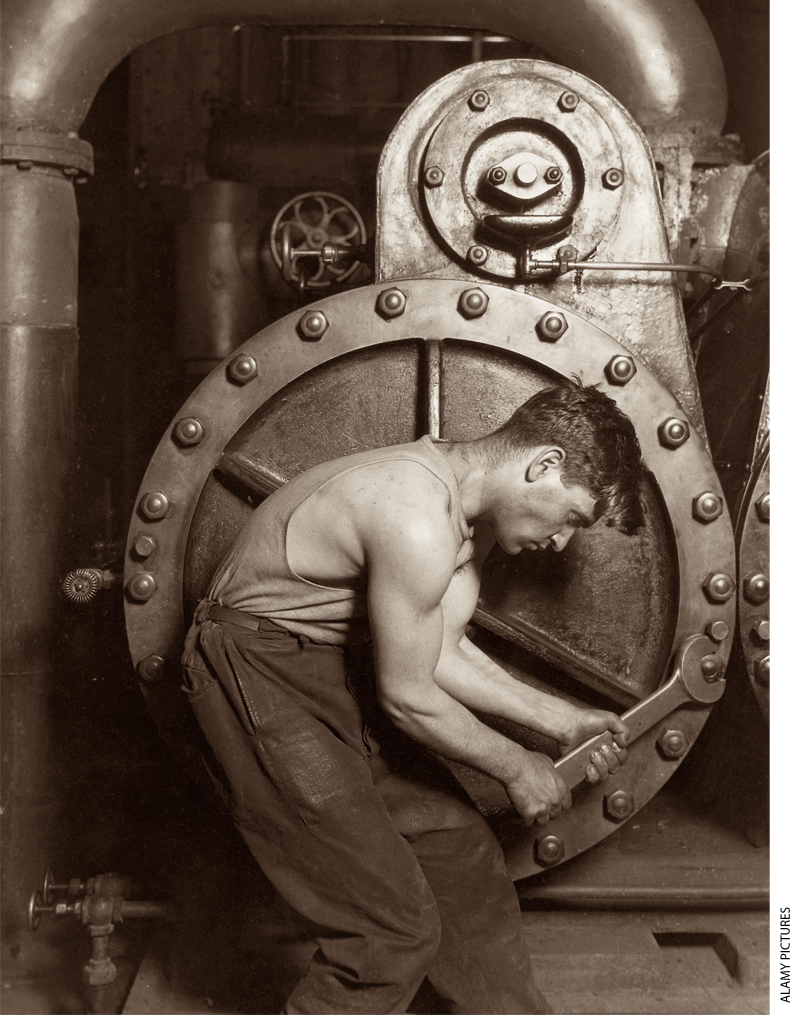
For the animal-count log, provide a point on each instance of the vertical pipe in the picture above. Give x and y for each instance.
(38, 383)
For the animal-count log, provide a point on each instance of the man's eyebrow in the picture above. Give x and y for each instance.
(582, 521)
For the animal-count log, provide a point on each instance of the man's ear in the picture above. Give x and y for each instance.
(545, 460)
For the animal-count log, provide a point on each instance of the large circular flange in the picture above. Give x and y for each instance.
(432, 310)
(753, 584)
(523, 115)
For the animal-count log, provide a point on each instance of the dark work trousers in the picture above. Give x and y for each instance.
(378, 845)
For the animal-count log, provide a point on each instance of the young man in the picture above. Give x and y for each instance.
(330, 767)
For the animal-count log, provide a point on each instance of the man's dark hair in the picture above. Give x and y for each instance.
(599, 441)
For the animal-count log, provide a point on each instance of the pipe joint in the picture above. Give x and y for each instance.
(28, 148)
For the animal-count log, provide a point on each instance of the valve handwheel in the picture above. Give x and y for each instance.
(308, 222)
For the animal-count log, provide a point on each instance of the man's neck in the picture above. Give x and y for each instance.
(477, 474)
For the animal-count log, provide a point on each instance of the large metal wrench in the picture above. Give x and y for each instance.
(697, 679)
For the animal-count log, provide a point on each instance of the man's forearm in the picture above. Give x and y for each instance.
(475, 680)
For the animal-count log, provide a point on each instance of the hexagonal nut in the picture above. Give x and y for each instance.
(473, 303)
(717, 630)
(242, 369)
(143, 545)
(762, 507)
(154, 505)
(553, 174)
(712, 668)
(673, 432)
(756, 588)
(434, 176)
(613, 178)
(673, 743)
(548, 850)
(312, 325)
(188, 432)
(719, 587)
(760, 630)
(620, 369)
(568, 102)
(761, 669)
(141, 586)
(390, 303)
(479, 100)
(477, 254)
(618, 805)
(706, 507)
(151, 669)
(551, 326)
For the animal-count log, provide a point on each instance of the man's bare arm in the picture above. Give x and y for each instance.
(410, 566)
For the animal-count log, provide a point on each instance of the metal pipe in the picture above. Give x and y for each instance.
(657, 57)
(646, 897)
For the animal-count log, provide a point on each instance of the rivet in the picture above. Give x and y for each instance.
(313, 325)
(552, 174)
(497, 175)
(242, 369)
(711, 668)
(479, 100)
(567, 102)
(154, 505)
(612, 178)
(673, 432)
(761, 669)
(548, 850)
(719, 587)
(706, 507)
(762, 507)
(718, 630)
(756, 588)
(551, 327)
(477, 254)
(141, 586)
(673, 743)
(151, 668)
(434, 177)
(761, 629)
(188, 432)
(473, 303)
(620, 369)
(143, 545)
(391, 303)
(618, 805)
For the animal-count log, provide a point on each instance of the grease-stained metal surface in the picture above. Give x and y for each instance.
(368, 382)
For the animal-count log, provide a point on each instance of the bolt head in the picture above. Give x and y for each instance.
(154, 505)
(719, 587)
(618, 805)
(673, 432)
(551, 326)
(188, 432)
(673, 743)
(391, 303)
(712, 668)
(717, 630)
(525, 174)
(151, 669)
(760, 629)
(434, 176)
(568, 102)
(612, 178)
(479, 100)
(552, 174)
(477, 254)
(473, 303)
(548, 850)
(756, 588)
(620, 369)
(313, 325)
(762, 507)
(761, 669)
(141, 586)
(706, 507)
(143, 545)
(242, 369)
(497, 175)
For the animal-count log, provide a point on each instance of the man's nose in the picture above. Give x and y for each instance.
(560, 539)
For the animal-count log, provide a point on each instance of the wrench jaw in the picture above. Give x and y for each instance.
(663, 728)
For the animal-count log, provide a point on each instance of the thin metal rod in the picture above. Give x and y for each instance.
(647, 897)
(433, 386)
